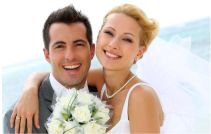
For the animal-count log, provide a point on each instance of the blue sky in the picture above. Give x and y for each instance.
(23, 20)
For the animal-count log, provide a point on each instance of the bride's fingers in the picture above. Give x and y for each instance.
(36, 120)
(22, 125)
(29, 125)
(12, 118)
(17, 124)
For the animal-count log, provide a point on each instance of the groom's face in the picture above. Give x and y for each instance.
(69, 53)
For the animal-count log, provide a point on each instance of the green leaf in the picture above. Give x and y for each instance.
(66, 116)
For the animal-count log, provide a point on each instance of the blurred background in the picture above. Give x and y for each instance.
(21, 36)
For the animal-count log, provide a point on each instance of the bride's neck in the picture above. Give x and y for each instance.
(115, 79)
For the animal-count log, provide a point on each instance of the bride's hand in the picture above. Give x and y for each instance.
(26, 109)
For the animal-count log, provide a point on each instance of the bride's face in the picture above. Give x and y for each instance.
(118, 43)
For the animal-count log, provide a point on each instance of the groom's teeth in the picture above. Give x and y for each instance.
(71, 67)
(111, 55)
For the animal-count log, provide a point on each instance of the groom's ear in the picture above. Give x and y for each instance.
(46, 54)
(92, 51)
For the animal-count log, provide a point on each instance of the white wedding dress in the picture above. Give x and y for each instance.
(182, 82)
(123, 126)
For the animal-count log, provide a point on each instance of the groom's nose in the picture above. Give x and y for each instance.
(69, 53)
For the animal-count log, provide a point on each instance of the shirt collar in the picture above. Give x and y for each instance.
(61, 90)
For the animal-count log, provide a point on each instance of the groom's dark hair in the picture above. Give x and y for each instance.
(66, 15)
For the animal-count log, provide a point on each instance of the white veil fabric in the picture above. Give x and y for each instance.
(181, 80)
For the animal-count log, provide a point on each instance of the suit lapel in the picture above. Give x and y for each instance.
(48, 94)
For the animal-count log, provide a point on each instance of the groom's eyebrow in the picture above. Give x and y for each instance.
(79, 41)
(59, 42)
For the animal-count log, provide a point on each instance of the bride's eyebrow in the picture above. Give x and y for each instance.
(108, 27)
(126, 33)
(130, 34)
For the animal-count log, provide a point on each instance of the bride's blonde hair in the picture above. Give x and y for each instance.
(149, 26)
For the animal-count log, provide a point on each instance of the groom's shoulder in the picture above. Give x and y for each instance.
(6, 122)
(46, 82)
(45, 88)
(45, 85)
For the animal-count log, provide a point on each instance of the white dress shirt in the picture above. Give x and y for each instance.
(60, 90)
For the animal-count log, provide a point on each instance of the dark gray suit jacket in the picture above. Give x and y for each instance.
(46, 94)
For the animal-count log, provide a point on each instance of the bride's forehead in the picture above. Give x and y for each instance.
(122, 22)
(121, 18)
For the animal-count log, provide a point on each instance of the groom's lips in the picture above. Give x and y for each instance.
(73, 68)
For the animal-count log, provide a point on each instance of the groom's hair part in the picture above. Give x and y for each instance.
(66, 15)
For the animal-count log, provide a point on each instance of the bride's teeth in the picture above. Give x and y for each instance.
(71, 67)
(111, 55)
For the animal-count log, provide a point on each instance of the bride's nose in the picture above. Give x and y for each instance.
(114, 43)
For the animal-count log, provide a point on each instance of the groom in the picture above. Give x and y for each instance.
(67, 36)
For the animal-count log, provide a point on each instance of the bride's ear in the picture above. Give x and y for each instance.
(140, 53)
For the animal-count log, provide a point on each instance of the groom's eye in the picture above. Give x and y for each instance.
(59, 46)
(79, 44)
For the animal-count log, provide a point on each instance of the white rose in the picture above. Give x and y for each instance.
(98, 101)
(66, 101)
(57, 112)
(55, 127)
(84, 97)
(82, 113)
(103, 114)
(94, 128)
(70, 127)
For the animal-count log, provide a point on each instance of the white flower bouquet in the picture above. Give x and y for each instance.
(78, 113)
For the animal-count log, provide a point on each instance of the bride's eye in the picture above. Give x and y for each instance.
(128, 40)
(108, 32)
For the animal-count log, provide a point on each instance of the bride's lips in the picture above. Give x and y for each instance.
(111, 55)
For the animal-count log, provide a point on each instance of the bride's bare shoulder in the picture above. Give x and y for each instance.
(143, 93)
(143, 99)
